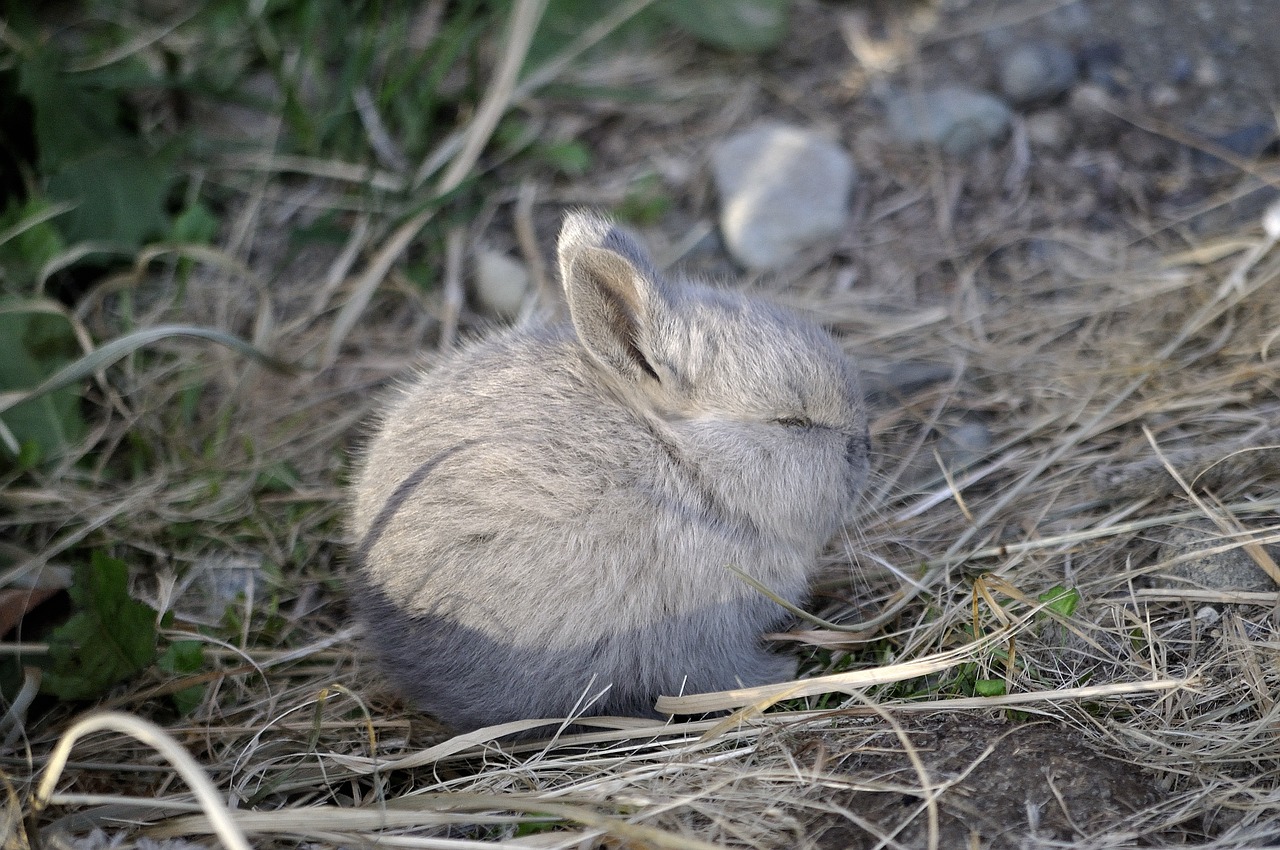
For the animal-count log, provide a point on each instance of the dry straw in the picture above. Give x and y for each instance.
(1127, 386)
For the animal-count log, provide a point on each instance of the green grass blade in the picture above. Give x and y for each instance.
(109, 353)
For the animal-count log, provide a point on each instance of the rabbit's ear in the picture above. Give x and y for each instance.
(583, 229)
(612, 304)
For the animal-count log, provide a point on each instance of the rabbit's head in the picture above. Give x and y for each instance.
(761, 406)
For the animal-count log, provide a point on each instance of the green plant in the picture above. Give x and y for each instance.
(33, 346)
(110, 637)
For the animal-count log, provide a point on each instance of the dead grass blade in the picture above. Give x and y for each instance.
(220, 820)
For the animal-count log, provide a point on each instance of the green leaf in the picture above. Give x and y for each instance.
(110, 638)
(989, 687)
(564, 20)
(570, 158)
(279, 477)
(119, 193)
(327, 229)
(194, 225)
(183, 658)
(117, 185)
(71, 121)
(747, 26)
(34, 346)
(1061, 600)
(28, 240)
(645, 202)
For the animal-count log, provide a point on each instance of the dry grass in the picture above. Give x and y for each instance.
(1127, 381)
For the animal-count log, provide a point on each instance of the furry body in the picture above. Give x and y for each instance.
(551, 511)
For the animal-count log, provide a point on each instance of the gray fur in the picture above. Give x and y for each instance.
(553, 509)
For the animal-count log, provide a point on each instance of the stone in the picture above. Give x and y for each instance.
(501, 284)
(1207, 73)
(1048, 130)
(1232, 569)
(1037, 71)
(964, 445)
(1102, 62)
(1248, 142)
(229, 578)
(781, 188)
(959, 120)
(1072, 19)
(1091, 116)
(904, 377)
(1271, 220)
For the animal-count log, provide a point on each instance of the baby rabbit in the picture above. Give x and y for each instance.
(552, 512)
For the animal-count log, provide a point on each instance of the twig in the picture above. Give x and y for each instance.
(455, 242)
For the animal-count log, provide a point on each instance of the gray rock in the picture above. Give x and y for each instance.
(1093, 121)
(781, 188)
(1248, 142)
(1039, 70)
(1232, 569)
(902, 378)
(956, 119)
(1207, 73)
(1049, 130)
(1073, 19)
(1181, 69)
(1223, 218)
(1103, 66)
(965, 444)
(501, 284)
(228, 578)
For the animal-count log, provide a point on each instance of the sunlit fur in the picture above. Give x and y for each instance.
(553, 510)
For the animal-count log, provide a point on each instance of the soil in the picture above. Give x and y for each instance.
(1003, 784)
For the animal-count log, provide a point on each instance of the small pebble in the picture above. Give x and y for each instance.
(1092, 120)
(1271, 220)
(904, 378)
(1181, 69)
(1207, 73)
(501, 284)
(957, 119)
(781, 188)
(964, 445)
(1040, 70)
(1146, 150)
(1073, 19)
(1143, 15)
(229, 578)
(1243, 211)
(1102, 65)
(1162, 96)
(1232, 569)
(1049, 130)
(1248, 142)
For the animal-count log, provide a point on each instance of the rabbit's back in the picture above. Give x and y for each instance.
(572, 501)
